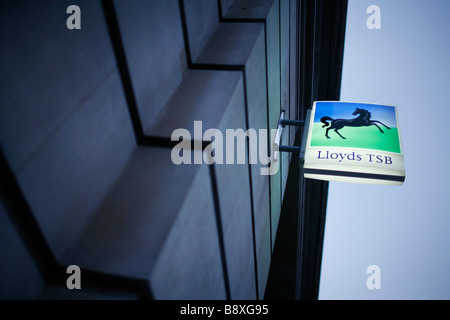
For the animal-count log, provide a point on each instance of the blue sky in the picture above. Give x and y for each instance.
(404, 230)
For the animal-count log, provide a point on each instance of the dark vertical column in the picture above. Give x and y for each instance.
(329, 36)
(300, 235)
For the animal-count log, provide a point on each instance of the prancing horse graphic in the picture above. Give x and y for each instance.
(363, 120)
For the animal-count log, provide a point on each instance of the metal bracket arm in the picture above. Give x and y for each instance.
(299, 123)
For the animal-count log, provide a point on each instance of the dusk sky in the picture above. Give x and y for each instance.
(404, 230)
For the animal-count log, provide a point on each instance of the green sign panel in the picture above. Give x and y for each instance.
(354, 142)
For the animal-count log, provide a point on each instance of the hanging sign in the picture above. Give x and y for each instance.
(354, 142)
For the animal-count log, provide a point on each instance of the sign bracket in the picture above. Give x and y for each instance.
(299, 123)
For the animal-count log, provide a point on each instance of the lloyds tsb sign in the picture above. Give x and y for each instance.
(354, 142)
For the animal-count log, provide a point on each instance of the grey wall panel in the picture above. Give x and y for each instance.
(202, 18)
(202, 96)
(47, 70)
(231, 44)
(262, 232)
(273, 77)
(65, 128)
(153, 41)
(255, 72)
(246, 9)
(293, 67)
(216, 98)
(233, 187)
(66, 179)
(157, 223)
(224, 5)
(116, 208)
(243, 44)
(132, 222)
(269, 12)
(189, 266)
(285, 96)
(19, 277)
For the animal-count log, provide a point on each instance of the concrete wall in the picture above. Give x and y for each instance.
(81, 111)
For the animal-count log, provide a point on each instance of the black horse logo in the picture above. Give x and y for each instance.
(363, 120)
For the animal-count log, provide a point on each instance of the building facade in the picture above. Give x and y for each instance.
(91, 97)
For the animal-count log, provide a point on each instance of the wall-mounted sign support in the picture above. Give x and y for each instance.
(286, 122)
